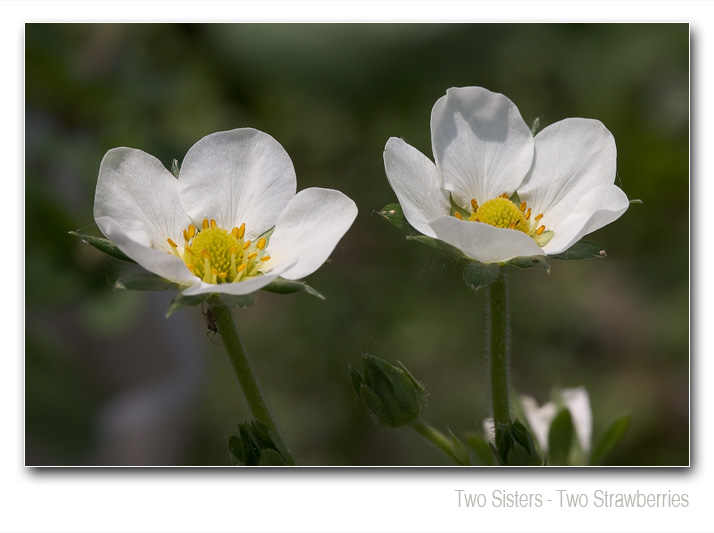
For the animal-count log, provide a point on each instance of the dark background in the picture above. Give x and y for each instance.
(110, 381)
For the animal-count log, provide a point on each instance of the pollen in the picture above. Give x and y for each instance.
(501, 212)
(217, 255)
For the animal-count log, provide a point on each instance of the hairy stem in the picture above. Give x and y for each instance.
(436, 437)
(498, 337)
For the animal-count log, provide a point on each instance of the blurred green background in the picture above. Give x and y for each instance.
(110, 381)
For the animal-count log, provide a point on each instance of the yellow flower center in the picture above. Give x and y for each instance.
(216, 255)
(501, 212)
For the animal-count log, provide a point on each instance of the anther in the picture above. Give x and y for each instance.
(185, 235)
(253, 255)
(504, 195)
(540, 230)
(261, 243)
(204, 225)
(523, 207)
(528, 214)
(241, 231)
(242, 267)
(512, 225)
(222, 275)
(265, 258)
(234, 232)
(474, 204)
(245, 246)
(172, 243)
(213, 223)
(458, 215)
(191, 231)
(538, 217)
(188, 250)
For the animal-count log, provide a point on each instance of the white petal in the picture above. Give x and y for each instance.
(482, 146)
(572, 181)
(539, 419)
(597, 208)
(416, 183)
(578, 403)
(485, 243)
(160, 262)
(140, 196)
(309, 229)
(237, 176)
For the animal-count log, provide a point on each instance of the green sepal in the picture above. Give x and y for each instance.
(560, 438)
(286, 286)
(389, 392)
(482, 449)
(460, 451)
(236, 300)
(515, 445)
(479, 275)
(103, 245)
(394, 214)
(143, 281)
(255, 445)
(581, 250)
(181, 300)
(175, 168)
(534, 261)
(442, 246)
(609, 439)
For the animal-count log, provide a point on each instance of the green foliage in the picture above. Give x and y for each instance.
(255, 445)
(286, 286)
(389, 392)
(515, 445)
(484, 453)
(103, 245)
(560, 438)
(581, 250)
(143, 281)
(610, 437)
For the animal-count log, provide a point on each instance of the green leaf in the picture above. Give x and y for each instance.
(560, 438)
(479, 275)
(612, 435)
(180, 301)
(535, 261)
(518, 456)
(143, 281)
(286, 286)
(483, 450)
(103, 245)
(175, 168)
(255, 445)
(581, 250)
(453, 251)
(394, 214)
(460, 451)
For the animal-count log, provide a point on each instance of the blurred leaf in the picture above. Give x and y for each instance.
(143, 281)
(286, 286)
(255, 445)
(483, 450)
(450, 250)
(103, 245)
(460, 451)
(611, 436)
(560, 438)
(581, 250)
(479, 275)
(180, 301)
(237, 300)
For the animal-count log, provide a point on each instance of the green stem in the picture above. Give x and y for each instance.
(224, 321)
(498, 332)
(436, 437)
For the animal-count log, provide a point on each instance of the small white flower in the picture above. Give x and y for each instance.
(484, 153)
(210, 229)
(576, 400)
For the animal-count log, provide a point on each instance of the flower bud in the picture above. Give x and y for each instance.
(255, 446)
(516, 446)
(390, 392)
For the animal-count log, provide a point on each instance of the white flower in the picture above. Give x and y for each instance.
(209, 230)
(576, 400)
(484, 153)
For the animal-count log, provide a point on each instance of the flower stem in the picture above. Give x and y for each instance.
(224, 321)
(498, 333)
(436, 437)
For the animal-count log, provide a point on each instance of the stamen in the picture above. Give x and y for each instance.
(528, 214)
(241, 231)
(538, 217)
(206, 266)
(234, 232)
(523, 207)
(204, 225)
(222, 276)
(191, 231)
(252, 256)
(504, 195)
(265, 258)
(213, 223)
(172, 243)
(512, 225)
(242, 267)
(188, 250)
(458, 215)
(185, 236)
(245, 246)
(214, 276)
(474, 204)
(261, 243)
(540, 230)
